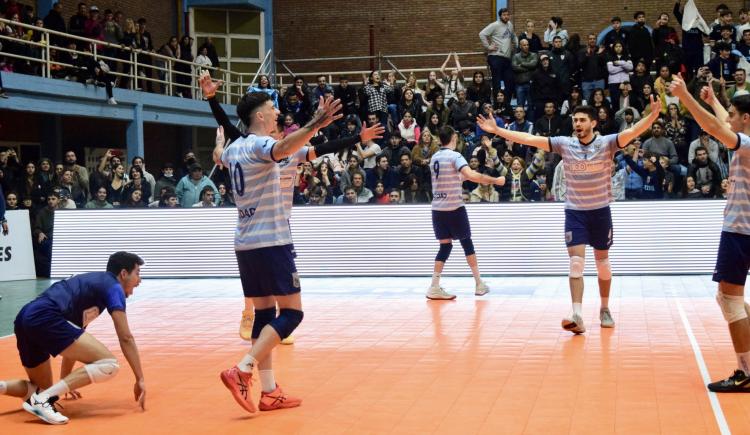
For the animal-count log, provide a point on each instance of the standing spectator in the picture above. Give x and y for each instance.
(138, 182)
(348, 96)
(520, 123)
(172, 51)
(593, 67)
(524, 63)
(205, 62)
(554, 28)
(453, 82)
(723, 66)
(619, 67)
(676, 130)
(692, 42)
(264, 85)
(134, 199)
(500, 41)
(42, 230)
(661, 33)
(545, 85)
(128, 44)
(362, 193)
(549, 124)
(462, 110)
(658, 145)
(29, 185)
(640, 43)
(184, 72)
(652, 174)
(410, 103)
(705, 173)
(3, 220)
(138, 161)
(706, 141)
(725, 20)
(116, 187)
(93, 28)
(112, 33)
(145, 43)
(225, 196)
(740, 86)
(535, 44)
(167, 177)
(321, 89)
(616, 34)
(189, 187)
(55, 21)
(99, 200)
(77, 24)
(80, 173)
(479, 91)
(376, 94)
(563, 64)
(424, 149)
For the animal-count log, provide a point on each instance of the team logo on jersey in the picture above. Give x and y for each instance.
(568, 236)
(295, 280)
(89, 315)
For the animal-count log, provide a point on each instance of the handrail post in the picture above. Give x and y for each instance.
(45, 39)
(134, 70)
(169, 77)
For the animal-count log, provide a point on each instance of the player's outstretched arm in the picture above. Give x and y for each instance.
(472, 175)
(209, 88)
(130, 350)
(711, 124)
(328, 111)
(368, 133)
(490, 126)
(626, 136)
(708, 95)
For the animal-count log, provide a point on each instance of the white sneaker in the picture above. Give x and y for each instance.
(605, 317)
(439, 293)
(112, 101)
(44, 408)
(574, 324)
(482, 289)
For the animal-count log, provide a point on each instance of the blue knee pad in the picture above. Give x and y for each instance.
(262, 318)
(444, 252)
(468, 246)
(287, 322)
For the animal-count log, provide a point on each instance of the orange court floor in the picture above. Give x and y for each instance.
(373, 356)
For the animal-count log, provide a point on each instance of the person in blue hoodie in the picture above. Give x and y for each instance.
(651, 173)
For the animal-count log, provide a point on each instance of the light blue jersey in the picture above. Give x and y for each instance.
(588, 170)
(288, 175)
(445, 167)
(737, 210)
(256, 178)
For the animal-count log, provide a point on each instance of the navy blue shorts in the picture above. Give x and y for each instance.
(453, 224)
(268, 271)
(733, 260)
(589, 227)
(41, 331)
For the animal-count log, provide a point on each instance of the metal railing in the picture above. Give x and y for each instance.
(174, 76)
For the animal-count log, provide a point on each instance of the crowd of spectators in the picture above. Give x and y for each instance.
(107, 26)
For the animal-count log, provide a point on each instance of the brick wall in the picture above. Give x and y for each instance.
(160, 14)
(328, 28)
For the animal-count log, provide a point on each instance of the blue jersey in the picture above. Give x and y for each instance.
(82, 298)
(256, 177)
(588, 170)
(445, 167)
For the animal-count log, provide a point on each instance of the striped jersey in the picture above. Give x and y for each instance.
(588, 170)
(256, 178)
(737, 210)
(445, 167)
(288, 174)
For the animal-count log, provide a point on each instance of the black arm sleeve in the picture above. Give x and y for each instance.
(335, 145)
(221, 117)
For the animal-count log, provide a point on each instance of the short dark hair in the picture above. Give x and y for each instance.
(446, 133)
(637, 14)
(502, 11)
(742, 104)
(721, 7)
(141, 21)
(557, 20)
(132, 162)
(701, 148)
(122, 260)
(249, 103)
(586, 110)
(80, 4)
(725, 12)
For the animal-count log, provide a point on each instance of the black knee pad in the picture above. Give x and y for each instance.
(262, 318)
(444, 252)
(287, 322)
(468, 246)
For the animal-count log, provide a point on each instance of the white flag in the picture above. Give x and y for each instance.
(692, 19)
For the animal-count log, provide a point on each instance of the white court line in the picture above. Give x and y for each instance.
(715, 405)
(6, 336)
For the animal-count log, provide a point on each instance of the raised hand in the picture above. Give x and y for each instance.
(678, 88)
(373, 132)
(708, 95)
(208, 85)
(328, 111)
(487, 124)
(655, 107)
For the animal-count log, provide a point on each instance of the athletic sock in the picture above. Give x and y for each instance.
(577, 308)
(267, 381)
(31, 389)
(435, 280)
(58, 389)
(743, 362)
(3, 387)
(605, 302)
(247, 363)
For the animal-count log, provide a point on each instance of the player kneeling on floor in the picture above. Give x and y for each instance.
(54, 324)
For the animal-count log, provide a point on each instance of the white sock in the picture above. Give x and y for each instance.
(743, 362)
(577, 308)
(3, 387)
(58, 389)
(247, 363)
(605, 302)
(267, 381)
(435, 280)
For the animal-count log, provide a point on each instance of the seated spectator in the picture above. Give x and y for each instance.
(318, 196)
(99, 200)
(167, 178)
(138, 181)
(394, 197)
(207, 198)
(42, 230)
(438, 108)
(659, 145)
(98, 73)
(690, 190)
(724, 189)
(520, 123)
(487, 112)
(574, 100)
(479, 91)
(226, 198)
(264, 85)
(290, 126)
(549, 124)
(408, 128)
(424, 149)
(349, 196)
(189, 187)
(604, 124)
(169, 200)
(406, 169)
(116, 187)
(485, 148)
(462, 110)
(383, 172)
(396, 148)
(705, 173)
(433, 124)
(484, 193)
(345, 177)
(411, 102)
(502, 108)
(724, 65)
(641, 102)
(706, 141)
(70, 190)
(160, 194)
(599, 100)
(368, 154)
(539, 188)
(740, 86)
(362, 193)
(626, 118)
(668, 184)
(380, 196)
(135, 199)
(11, 201)
(469, 185)
(413, 191)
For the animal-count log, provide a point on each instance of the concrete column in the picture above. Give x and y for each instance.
(134, 133)
(51, 137)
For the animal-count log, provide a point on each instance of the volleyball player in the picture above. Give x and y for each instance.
(587, 159)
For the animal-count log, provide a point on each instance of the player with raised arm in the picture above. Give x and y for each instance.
(449, 218)
(287, 173)
(587, 160)
(732, 128)
(263, 242)
(55, 324)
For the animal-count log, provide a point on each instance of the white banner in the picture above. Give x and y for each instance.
(16, 255)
